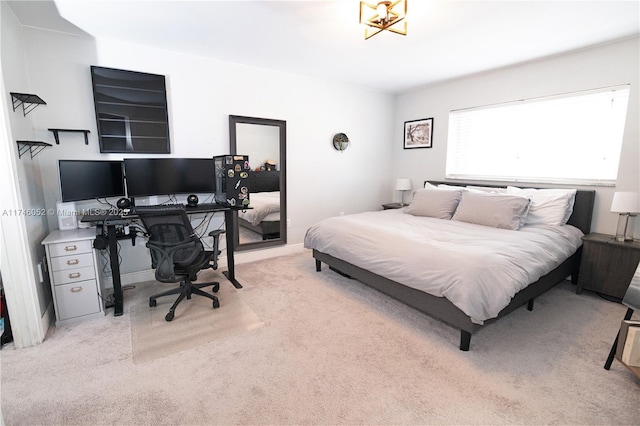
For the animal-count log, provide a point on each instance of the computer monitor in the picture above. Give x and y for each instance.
(90, 179)
(166, 176)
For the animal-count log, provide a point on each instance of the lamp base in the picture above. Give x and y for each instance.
(624, 232)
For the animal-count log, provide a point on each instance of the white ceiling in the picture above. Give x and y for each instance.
(322, 39)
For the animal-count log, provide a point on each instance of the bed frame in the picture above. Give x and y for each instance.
(440, 308)
(268, 230)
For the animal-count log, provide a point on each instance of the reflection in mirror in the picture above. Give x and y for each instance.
(264, 141)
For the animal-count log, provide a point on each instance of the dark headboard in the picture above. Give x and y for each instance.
(264, 181)
(582, 208)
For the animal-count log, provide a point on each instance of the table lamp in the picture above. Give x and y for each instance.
(627, 205)
(403, 184)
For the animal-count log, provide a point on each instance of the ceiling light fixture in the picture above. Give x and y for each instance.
(386, 15)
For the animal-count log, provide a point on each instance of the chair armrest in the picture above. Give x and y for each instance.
(216, 232)
(216, 243)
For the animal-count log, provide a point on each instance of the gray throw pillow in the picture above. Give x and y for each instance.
(495, 210)
(434, 203)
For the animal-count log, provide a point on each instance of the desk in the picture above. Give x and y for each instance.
(112, 221)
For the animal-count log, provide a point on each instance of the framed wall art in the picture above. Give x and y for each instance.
(131, 111)
(418, 133)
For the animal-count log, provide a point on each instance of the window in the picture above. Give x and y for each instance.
(571, 138)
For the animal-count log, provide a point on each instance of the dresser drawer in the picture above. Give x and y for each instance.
(73, 247)
(62, 263)
(77, 299)
(74, 275)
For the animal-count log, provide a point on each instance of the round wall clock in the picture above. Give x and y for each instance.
(340, 141)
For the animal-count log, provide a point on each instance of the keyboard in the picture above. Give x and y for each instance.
(142, 209)
(205, 207)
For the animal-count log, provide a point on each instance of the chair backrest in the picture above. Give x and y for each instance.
(172, 240)
(632, 296)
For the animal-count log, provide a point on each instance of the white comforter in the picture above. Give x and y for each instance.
(478, 268)
(263, 204)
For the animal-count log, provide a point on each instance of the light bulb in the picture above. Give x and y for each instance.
(382, 10)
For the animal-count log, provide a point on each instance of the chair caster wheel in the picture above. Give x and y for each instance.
(169, 316)
(153, 303)
(216, 287)
(216, 304)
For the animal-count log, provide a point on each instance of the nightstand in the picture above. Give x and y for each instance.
(393, 206)
(607, 265)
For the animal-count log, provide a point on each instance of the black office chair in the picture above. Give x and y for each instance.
(631, 300)
(177, 253)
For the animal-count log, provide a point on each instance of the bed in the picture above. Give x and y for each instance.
(264, 216)
(503, 268)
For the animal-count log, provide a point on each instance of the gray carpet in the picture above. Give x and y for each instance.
(332, 351)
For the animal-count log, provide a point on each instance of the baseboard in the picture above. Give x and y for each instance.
(137, 277)
(262, 254)
(48, 317)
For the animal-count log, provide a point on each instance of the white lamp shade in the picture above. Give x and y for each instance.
(403, 184)
(625, 202)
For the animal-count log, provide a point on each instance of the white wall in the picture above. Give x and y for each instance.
(202, 93)
(606, 65)
(29, 300)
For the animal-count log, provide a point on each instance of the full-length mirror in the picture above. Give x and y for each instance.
(264, 141)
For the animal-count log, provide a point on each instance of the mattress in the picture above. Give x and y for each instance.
(478, 268)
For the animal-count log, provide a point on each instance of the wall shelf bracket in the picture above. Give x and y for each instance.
(28, 102)
(33, 147)
(57, 137)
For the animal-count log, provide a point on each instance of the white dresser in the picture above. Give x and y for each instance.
(74, 275)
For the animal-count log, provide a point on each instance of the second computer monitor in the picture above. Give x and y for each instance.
(166, 176)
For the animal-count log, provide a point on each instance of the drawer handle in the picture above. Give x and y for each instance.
(75, 275)
(76, 289)
(71, 248)
(73, 262)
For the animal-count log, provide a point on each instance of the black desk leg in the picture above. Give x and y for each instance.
(230, 273)
(115, 270)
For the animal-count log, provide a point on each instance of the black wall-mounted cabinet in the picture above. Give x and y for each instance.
(131, 111)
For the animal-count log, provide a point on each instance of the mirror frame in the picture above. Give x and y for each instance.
(282, 125)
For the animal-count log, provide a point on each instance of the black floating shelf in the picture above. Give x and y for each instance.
(28, 102)
(57, 138)
(33, 147)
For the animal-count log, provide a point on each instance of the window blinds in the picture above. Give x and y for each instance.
(571, 138)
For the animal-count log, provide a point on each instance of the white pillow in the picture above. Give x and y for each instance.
(548, 206)
(487, 189)
(450, 187)
(434, 203)
(495, 210)
(428, 185)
